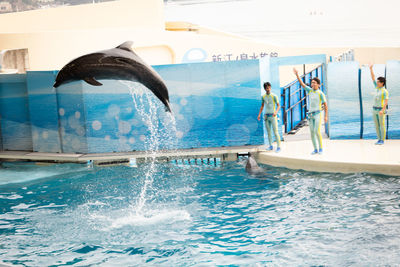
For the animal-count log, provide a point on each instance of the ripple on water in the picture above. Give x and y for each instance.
(205, 217)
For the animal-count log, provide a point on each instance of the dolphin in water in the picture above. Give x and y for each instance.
(119, 63)
(252, 166)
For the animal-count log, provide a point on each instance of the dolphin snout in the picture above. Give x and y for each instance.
(167, 106)
(56, 84)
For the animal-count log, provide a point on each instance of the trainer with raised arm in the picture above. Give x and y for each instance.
(317, 103)
(381, 98)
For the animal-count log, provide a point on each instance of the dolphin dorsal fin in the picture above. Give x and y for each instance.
(92, 81)
(126, 46)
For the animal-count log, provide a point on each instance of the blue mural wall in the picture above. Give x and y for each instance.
(71, 113)
(214, 104)
(393, 86)
(42, 99)
(14, 113)
(343, 100)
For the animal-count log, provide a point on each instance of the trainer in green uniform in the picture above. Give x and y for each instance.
(317, 103)
(381, 98)
(271, 103)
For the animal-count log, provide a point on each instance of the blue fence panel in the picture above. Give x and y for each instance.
(307, 80)
(286, 61)
(14, 113)
(295, 96)
(314, 73)
(43, 111)
(285, 104)
(393, 86)
(343, 100)
(368, 92)
(322, 78)
(292, 96)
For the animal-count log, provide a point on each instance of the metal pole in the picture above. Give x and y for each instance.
(301, 104)
(387, 116)
(1, 137)
(284, 108)
(361, 105)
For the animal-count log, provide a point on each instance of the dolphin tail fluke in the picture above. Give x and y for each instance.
(92, 81)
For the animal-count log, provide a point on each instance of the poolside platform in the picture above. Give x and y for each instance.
(344, 156)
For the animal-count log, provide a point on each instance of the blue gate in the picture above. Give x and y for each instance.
(294, 99)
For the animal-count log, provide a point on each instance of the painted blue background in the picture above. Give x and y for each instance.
(43, 111)
(14, 113)
(214, 104)
(343, 100)
(393, 86)
(222, 99)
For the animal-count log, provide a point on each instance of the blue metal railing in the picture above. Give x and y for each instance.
(294, 99)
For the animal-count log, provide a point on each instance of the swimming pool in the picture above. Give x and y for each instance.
(196, 215)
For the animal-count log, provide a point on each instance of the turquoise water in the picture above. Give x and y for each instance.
(73, 215)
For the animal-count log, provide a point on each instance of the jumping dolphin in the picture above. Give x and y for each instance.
(252, 166)
(119, 63)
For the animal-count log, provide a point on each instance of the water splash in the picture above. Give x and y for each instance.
(162, 134)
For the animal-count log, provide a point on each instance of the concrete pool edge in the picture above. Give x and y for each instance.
(328, 166)
(225, 153)
(340, 156)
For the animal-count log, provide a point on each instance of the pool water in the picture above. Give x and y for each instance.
(195, 215)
